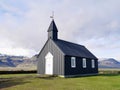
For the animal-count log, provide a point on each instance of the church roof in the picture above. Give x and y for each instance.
(72, 49)
(52, 27)
(69, 48)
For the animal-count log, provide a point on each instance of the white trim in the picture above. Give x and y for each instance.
(49, 64)
(61, 76)
(48, 55)
(77, 75)
(73, 62)
(84, 62)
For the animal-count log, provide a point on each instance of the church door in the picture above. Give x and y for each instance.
(49, 64)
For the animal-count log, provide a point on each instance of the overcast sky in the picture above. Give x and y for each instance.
(92, 23)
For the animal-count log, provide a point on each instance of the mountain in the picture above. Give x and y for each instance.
(108, 63)
(25, 63)
(29, 62)
(8, 62)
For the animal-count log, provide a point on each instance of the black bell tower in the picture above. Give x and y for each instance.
(52, 31)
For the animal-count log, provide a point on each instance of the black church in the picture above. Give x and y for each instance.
(65, 59)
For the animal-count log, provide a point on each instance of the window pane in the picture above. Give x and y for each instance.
(73, 62)
(93, 63)
(84, 63)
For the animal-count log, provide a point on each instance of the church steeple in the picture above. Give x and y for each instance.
(52, 31)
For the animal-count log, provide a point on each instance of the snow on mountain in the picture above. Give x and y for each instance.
(17, 61)
(108, 63)
(25, 62)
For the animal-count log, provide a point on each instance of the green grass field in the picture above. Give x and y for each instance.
(33, 82)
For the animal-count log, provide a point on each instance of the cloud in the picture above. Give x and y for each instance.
(92, 23)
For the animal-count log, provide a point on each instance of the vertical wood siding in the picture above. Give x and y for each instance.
(58, 59)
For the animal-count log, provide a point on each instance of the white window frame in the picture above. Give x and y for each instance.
(73, 62)
(84, 62)
(93, 63)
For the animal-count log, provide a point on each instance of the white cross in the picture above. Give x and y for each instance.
(52, 15)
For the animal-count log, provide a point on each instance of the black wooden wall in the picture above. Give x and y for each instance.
(79, 66)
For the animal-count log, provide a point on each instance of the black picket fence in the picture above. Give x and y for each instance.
(18, 72)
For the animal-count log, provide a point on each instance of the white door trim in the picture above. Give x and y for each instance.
(49, 64)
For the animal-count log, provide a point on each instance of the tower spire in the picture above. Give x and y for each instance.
(52, 30)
